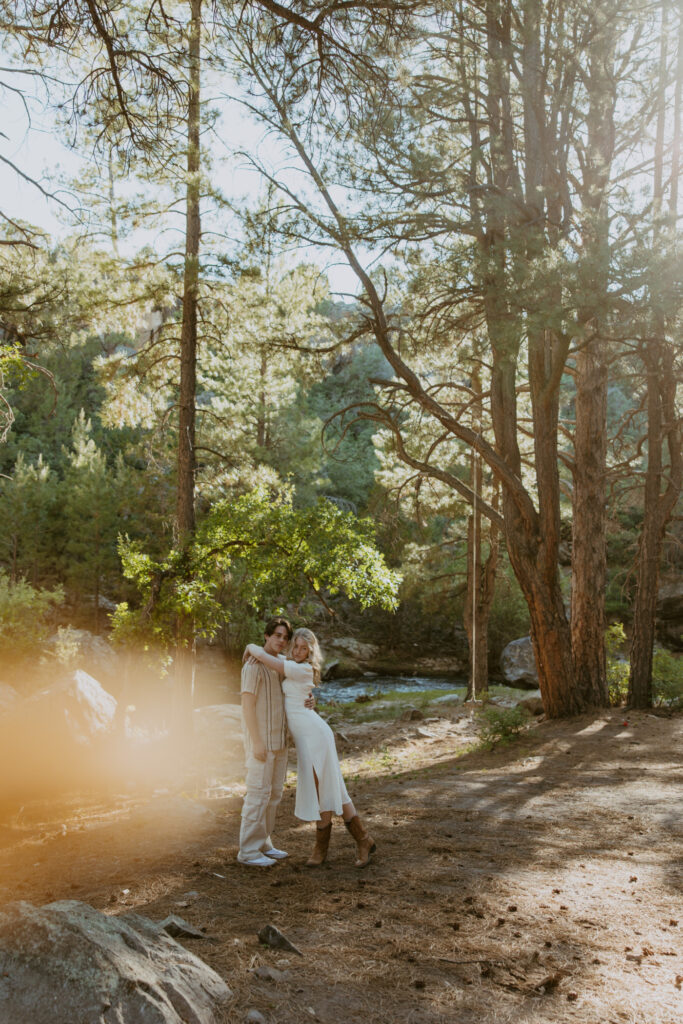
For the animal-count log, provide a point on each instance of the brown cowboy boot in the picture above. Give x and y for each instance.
(322, 841)
(363, 840)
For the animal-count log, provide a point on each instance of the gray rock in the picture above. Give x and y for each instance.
(254, 1017)
(670, 601)
(411, 715)
(518, 665)
(534, 705)
(342, 668)
(272, 936)
(670, 615)
(86, 651)
(178, 928)
(443, 666)
(266, 973)
(59, 737)
(77, 709)
(67, 962)
(449, 698)
(353, 648)
(329, 669)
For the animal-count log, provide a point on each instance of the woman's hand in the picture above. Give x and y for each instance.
(248, 653)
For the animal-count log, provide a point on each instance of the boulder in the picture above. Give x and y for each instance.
(57, 737)
(79, 648)
(354, 649)
(670, 615)
(411, 714)
(534, 705)
(439, 667)
(342, 668)
(76, 709)
(670, 601)
(518, 665)
(66, 962)
(449, 698)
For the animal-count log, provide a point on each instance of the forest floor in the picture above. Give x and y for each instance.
(536, 882)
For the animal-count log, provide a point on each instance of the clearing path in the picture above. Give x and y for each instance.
(540, 882)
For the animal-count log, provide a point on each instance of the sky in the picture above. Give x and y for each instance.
(30, 140)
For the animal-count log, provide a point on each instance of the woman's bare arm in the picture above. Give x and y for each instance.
(254, 651)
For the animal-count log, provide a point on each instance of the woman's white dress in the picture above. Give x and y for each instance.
(315, 749)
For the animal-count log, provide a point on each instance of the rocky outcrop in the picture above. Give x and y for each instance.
(81, 649)
(670, 615)
(347, 658)
(67, 962)
(353, 649)
(57, 736)
(76, 710)
(518, 665)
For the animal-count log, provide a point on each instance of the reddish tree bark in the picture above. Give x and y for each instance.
(185, 511)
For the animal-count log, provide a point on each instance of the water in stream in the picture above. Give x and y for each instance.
(346, 690)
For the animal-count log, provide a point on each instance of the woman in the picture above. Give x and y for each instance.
(320, 789)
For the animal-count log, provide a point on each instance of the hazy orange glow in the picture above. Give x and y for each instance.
(45, 752)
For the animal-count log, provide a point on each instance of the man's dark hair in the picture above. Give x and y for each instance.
(278, 620)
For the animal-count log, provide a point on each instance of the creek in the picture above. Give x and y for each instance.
(347, 690)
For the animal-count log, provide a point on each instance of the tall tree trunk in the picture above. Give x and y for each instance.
(589, 496)
(481, 575)
(589, 537)
(532, 536)
(185, 514)
(658, 354)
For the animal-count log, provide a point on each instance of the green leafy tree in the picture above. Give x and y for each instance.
(25, 622)
(264, 551)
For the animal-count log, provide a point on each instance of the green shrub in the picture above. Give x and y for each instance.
(501, 723)
(667, 678)
(24, 615)
(617, 667)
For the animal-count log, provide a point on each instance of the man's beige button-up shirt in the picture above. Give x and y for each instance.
(265, 684)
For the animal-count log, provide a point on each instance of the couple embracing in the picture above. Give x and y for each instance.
(276, 694)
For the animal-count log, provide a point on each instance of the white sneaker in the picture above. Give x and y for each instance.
(275, 854)
(259, 861)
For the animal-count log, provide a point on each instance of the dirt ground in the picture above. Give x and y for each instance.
(537, 882)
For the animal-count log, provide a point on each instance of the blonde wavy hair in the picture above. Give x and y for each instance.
(314, 658)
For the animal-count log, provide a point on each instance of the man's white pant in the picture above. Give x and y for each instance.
(265, 782)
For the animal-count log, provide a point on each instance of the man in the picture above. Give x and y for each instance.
(265, 745)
